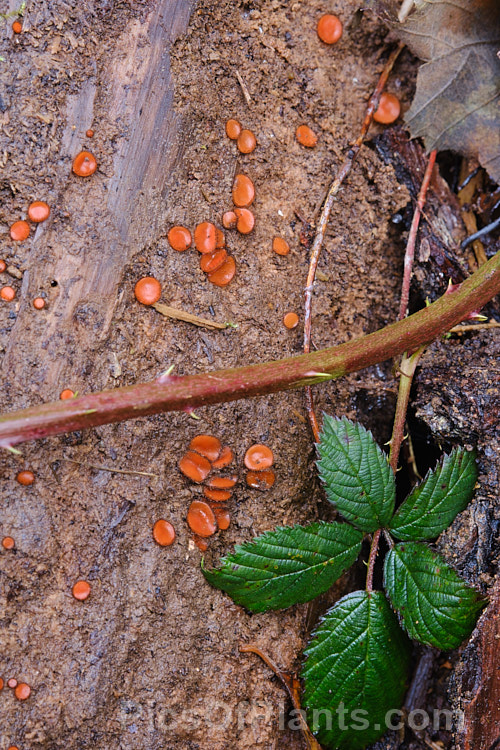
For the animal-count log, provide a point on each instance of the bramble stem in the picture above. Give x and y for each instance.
(172, 393)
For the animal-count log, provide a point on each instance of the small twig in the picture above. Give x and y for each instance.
(325, 215)
(465, 193)
(412, 237)
(480, 233)
(110, 468)
(246, 93)
(288, 683)
(474, 327)
(172, 312)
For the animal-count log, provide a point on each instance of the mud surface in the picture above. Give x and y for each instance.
(151, 659)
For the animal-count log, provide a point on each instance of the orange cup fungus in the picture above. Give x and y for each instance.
(81, 590)
(19, 231)
(306, 136)
(38, 211)
(7, 293)
(25, 478)
(84, 164)
(246, 142)
(179, 238)
(388, 110)
(233, 129)
(147, 290)
(329, 28)
(280, 246)
(163, 533)
(201, 519)
(243, 191)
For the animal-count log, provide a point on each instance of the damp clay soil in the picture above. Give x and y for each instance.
(151, 658)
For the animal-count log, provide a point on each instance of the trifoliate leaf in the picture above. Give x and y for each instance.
(436, 607)
(287, 566)
(434, 503)
(355, 671)
(357, 477)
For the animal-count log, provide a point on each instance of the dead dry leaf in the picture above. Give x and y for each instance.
(457, 101)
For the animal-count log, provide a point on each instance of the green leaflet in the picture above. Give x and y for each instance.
(437, 607)
(287, 566)
(355, 671)
(358, 480)
(433, 505)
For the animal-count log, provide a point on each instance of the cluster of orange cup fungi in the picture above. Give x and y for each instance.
(22, 690)
(206, 457)
(258, 460)
(84, 165)
(209, 239)
(203, 461)
(210, 242)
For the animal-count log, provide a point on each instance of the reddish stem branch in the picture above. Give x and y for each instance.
(371, 559)
(407, 371)
(172, 393)
(408, 363)
(412, 237)
(325, 215)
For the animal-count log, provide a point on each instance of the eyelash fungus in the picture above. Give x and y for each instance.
(388, 110)
(306, 136)
(179, 238)
(25, 478)
(329, 28)
(246, 142)
(291, 320)
(84, 164)
(22, 691)
(81, 590)
(20, 230)
(205, 456)
(7, 293)
(38, 211)
(163, 533)
(280, 246)
(147, 290)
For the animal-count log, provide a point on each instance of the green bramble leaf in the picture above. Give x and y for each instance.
(433, 504)
(287, 566)
(358, 480)
(355, 671)
(436, 606)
